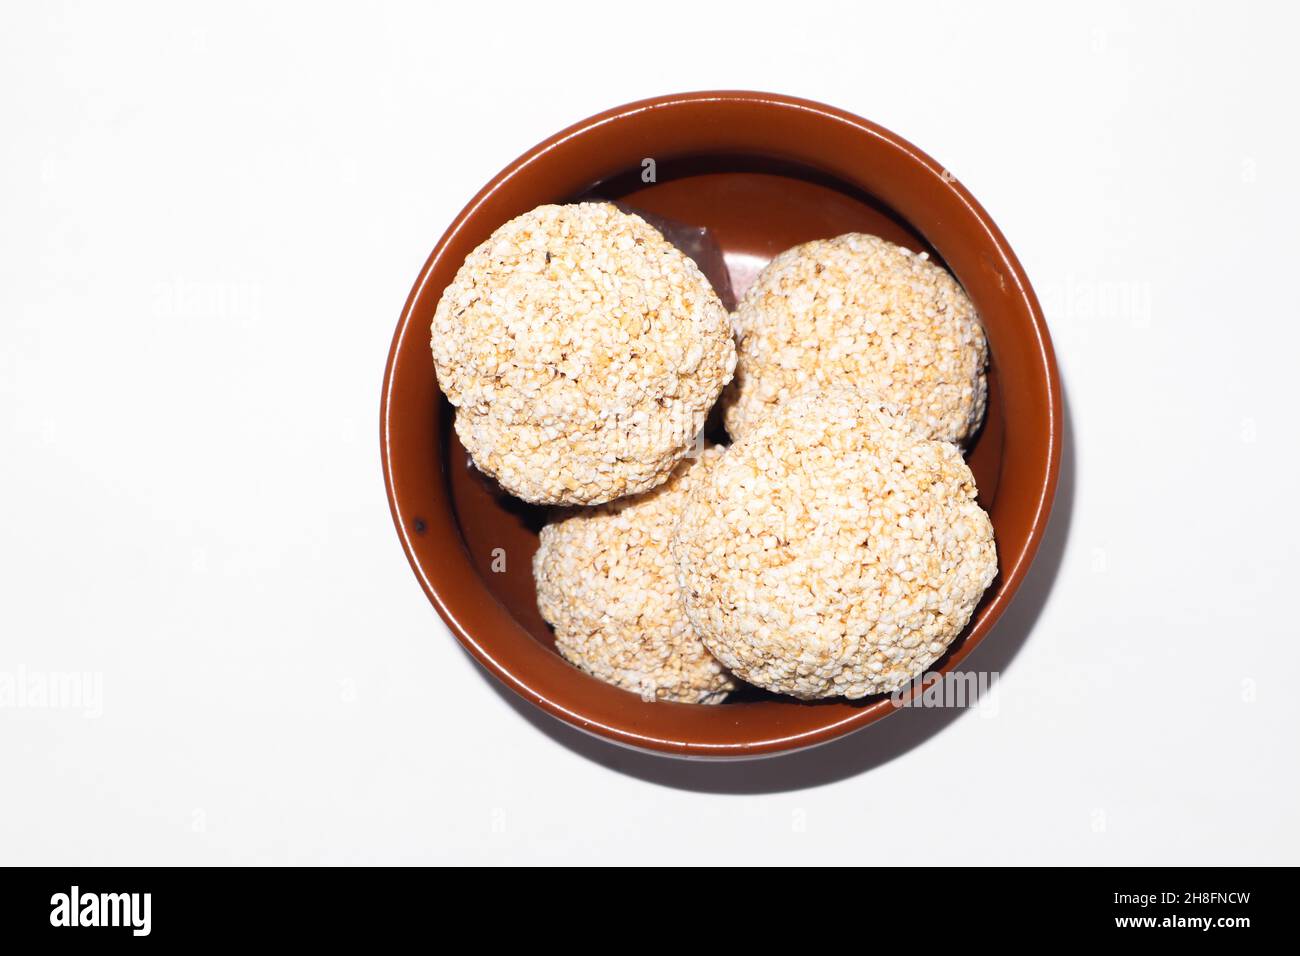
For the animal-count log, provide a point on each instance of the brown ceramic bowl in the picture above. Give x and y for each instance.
(762, 173)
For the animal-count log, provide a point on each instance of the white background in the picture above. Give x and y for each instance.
(211, 217)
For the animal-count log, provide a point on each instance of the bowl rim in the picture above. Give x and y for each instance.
(1011, 576)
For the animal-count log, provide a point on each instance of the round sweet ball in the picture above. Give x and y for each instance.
(582, 352)
(834, 550)
(858, 310)
(607, 583)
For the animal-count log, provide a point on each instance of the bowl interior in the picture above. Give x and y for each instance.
(753, 208)
(761, 173)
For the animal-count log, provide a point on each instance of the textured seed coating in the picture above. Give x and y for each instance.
(834, 550)
(607, 583)
(582, 352)
(858, 310)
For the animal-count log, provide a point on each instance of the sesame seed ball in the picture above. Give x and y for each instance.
(858, 310)
(607, 583)
(834, 550)
(582, 352)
